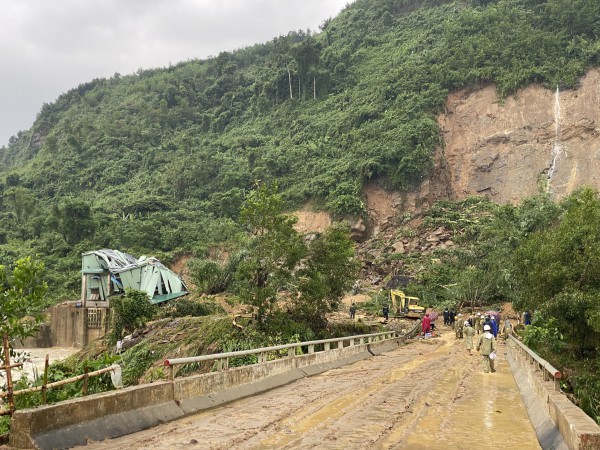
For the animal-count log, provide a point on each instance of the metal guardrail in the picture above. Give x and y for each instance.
(547, 369)
(222, 359)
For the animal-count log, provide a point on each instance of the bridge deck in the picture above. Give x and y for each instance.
(426, 395)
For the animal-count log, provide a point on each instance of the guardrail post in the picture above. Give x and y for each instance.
(85, 382)
(172, 373)
(219, 365)
(291, 352)
(45, 382)
(352, 342)
(311, 349)
(340, 344)
(327, 346)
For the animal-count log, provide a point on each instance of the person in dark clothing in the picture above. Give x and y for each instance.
(452, 317)
(494, 325)
(353, 311)
(527, 318)
(386, 312)
(487, 321)
(446, 316)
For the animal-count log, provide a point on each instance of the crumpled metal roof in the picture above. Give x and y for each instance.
(115, 260)
(146, 273)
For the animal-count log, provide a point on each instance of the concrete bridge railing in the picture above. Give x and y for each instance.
(124, 411)
(275, 352)
(578, 430)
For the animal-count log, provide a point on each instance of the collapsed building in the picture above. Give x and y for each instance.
(105, 273)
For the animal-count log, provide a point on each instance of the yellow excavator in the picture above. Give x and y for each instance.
(405, 306)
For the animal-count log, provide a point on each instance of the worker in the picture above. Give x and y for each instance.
(446, 316)
(386, 311)
(487, 345)
(507, 328)
(426, 324)
(469, 333)
(477, 323)
(458, 326)
(353, 311)
(452, 317)
(494, 326)
(487, 321)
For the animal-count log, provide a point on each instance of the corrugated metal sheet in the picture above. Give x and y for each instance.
(123, 271)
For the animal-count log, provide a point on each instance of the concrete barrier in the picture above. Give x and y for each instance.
(578, 430)
(95, 417)
(117, 413)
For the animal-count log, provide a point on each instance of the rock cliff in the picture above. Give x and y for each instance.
(508, 150)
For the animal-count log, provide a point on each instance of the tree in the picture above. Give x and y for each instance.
(558, 269)
(328, 272)
(21, 200)
(130, 312)
(22, 294)
(313, 277)
(274, 249)
(73, 220)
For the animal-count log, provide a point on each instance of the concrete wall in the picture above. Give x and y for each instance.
(132, 409)
(578, 430)
(66, 327)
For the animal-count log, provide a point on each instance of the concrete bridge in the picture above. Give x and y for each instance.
(383, 392)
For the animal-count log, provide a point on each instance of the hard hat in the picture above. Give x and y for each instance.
(487, 328)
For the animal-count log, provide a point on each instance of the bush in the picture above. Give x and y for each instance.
(183, 307)
(130, 312)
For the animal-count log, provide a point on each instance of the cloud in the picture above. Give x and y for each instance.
(50, 47)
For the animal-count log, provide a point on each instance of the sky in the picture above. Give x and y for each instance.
(48, 47)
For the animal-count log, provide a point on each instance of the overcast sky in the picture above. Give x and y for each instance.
(50, 46)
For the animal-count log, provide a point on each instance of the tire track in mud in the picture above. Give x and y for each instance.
(368, 413)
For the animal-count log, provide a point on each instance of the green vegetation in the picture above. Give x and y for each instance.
(129, 312)
(314, 276)
(22, 293)
(160, 161)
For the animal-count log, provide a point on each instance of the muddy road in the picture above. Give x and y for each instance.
(428, 394)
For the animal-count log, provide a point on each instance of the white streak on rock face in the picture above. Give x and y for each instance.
(557, 146)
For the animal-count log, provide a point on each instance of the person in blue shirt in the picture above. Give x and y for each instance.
(494, 325)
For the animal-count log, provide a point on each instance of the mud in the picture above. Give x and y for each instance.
(428, 394)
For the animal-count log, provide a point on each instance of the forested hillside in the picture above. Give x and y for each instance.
(160, 161)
